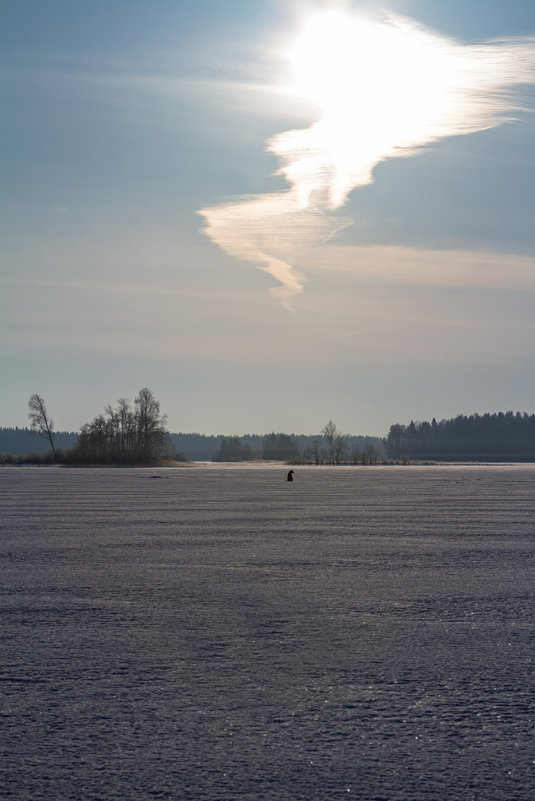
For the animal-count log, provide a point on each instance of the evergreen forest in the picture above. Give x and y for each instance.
(503, 437)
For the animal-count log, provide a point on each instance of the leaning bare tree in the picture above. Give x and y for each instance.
(40, 421)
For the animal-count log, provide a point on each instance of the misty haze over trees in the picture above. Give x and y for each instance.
(302, 449)
(271, 447)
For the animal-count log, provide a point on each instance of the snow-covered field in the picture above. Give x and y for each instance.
(219, 633)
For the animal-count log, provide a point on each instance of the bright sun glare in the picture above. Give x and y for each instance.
(382, 88)
(341, 61)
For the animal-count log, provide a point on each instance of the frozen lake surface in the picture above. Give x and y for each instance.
(218, 633)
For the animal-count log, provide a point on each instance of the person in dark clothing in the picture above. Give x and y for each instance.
(290, 475)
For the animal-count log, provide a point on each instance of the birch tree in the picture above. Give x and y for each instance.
(40, 422)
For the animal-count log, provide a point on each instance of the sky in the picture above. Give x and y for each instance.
(270, 213)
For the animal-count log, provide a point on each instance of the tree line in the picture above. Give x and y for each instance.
(137, 434)
(502, 436)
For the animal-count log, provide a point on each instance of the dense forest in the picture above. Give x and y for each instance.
(504, 437)
(24, 441)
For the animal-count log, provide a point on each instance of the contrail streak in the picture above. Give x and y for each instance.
(383, 89)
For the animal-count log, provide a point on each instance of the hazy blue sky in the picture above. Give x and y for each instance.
(358, 285)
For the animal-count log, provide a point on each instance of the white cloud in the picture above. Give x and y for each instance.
(269, 229)
(383, 89)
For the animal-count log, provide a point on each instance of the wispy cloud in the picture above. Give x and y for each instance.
(270, 230)
(383, 89)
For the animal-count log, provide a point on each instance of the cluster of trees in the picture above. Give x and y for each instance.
(123, 435)
(336, 448)
(504, 436)
(330, 447)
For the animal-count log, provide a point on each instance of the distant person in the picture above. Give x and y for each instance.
(291, 475)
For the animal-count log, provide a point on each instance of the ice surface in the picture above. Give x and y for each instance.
(222, 634)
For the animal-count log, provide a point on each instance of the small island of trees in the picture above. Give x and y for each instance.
(123, 435)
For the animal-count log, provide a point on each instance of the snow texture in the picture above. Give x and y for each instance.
(217, 634)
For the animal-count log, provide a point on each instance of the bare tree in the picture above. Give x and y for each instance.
(40, 421)
(151, 431)
(329, 434)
